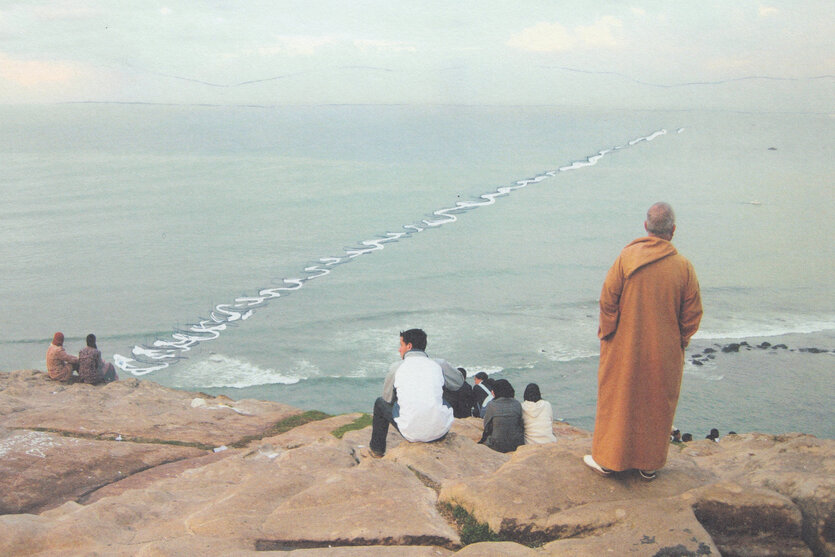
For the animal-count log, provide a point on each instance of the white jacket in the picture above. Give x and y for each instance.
(539, 422)
(419, 383)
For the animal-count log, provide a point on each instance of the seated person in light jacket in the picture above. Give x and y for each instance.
(413, 396)
(503, 426)
(538, 417)
(91, 367)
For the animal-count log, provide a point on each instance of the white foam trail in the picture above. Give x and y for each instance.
(221, 371)
(163, 353)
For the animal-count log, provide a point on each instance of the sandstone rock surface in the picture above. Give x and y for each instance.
(68, 487)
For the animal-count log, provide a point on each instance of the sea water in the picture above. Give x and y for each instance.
(276, 252)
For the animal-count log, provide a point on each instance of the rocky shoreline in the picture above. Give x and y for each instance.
(134, 468)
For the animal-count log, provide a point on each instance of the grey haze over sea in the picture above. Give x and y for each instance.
(207, 246)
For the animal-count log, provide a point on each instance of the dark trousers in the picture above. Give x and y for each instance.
(384, 414)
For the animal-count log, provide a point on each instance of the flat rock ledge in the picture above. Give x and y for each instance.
(133, 468)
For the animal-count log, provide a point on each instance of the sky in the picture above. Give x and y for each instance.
(770, 55)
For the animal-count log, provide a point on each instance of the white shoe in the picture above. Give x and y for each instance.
(647, 475)
(589, 461)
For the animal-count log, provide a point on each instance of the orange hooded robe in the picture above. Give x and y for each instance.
(650, 306)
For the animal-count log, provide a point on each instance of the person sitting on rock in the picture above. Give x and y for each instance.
(504, 429)
(713, 435)
(460, 400)
(537, 416)
(91, 367)
(675, 436)
(412, 397)
(482, 393)
(59, 364)
(687, 437)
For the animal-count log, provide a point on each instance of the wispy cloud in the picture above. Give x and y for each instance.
(383, 46)
(31, 73)
(62, 11)
(299, 45)
(768, 11)
(554, 37)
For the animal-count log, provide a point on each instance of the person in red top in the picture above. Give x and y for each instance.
(59, 364)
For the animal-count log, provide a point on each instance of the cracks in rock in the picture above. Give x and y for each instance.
(290, 545)
(85, 497)
(118, 438)
(281, 426)
(425, 480)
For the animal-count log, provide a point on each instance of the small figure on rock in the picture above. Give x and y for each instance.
(60, 364)
(504, 428)
(713, 435)
(538, 417)
(675, 436)
(686, 437)
(460, 400)
(92, 368)
(482, 393)
(413, 396)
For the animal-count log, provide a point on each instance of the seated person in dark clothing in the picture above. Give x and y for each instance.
(461, 400)
(482, 393)
(504, 428)
(91, 368)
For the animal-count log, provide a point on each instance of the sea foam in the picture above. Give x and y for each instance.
(220, 371)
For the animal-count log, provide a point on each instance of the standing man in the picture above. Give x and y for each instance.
(413, 396)
(650, 306)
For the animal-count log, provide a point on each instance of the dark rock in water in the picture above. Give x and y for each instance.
(814, 350)
(697, 362)
(779, 347)
(744, 343)
(733, 347)
(772, 148)
(711, 356)
(764, 345)
(709, 350)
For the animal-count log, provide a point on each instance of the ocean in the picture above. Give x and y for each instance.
(276, 252)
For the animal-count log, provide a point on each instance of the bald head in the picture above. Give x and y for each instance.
(661, 221)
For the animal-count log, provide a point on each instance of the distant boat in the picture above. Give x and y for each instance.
(753, 203)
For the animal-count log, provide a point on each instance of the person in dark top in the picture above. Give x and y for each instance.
(482, 393)
(91, 368)
(461, 400)
(504, 429)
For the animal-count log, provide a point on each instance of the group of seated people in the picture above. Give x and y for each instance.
(422, 396)
(89, 364)
(507, 422)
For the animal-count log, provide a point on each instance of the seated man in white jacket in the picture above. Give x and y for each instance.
(413, 396)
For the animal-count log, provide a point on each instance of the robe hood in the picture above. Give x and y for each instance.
(533, 409)
(644, 251)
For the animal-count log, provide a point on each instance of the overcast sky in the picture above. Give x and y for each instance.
(776, 55)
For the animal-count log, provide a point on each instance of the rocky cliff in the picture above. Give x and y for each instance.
(133, 468)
